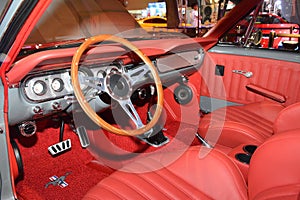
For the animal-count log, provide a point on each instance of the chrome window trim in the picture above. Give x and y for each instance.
(259, 53)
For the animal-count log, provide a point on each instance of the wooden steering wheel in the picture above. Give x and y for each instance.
(118, 85)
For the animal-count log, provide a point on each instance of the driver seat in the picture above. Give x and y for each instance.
(202, 174)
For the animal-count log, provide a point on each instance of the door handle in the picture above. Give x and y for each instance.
(244, 73)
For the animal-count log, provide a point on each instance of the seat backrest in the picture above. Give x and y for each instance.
(274, 171)
(287, 119)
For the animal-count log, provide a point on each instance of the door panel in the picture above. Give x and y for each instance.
(277, 76)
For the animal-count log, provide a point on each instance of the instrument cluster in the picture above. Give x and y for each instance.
(47, 86)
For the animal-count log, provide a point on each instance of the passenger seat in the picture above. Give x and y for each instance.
(248, 124)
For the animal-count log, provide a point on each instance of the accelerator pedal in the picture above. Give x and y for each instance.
(60, 147)
(83, 136)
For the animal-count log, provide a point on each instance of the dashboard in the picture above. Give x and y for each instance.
(48, 91)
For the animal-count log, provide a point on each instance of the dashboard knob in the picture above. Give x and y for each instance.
(37, 110)
(142, 94)
(56, 106)
(28, 128)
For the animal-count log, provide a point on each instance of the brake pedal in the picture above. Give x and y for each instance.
(60, 147)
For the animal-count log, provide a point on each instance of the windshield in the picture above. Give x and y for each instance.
(67, 20)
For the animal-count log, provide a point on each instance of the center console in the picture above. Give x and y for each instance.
(241, 155)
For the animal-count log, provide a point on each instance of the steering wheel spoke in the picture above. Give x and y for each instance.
(138, 74)
(93, 82)
(129, 109)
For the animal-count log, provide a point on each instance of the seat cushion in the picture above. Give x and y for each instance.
(287, 119)
(191, 176)
(274, 171)
(234, 125)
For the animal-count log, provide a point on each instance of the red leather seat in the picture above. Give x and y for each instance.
(248, 124)
(273, 174)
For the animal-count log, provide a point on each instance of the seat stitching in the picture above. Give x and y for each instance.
(225, 164)
(144, 177)
(170, 183)
(262, 131)
(238, 115)
(259, 130)
(253, 116)
(159, 188)
(268, 191)
(111, 190)
(183, 190)
(233, 111)
(137, 189)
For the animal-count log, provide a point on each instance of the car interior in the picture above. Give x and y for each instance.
(97, 108)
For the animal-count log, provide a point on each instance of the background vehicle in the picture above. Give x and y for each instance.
(155, 23)
(267, 23)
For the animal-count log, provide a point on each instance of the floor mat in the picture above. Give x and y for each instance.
(39, 166)
(84, 171)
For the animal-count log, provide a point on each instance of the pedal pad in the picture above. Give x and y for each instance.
(83, 137)
(60, 147)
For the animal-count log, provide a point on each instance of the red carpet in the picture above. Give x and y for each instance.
(39, 165)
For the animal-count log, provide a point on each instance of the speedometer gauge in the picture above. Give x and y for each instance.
(39, 88)
(57, 85)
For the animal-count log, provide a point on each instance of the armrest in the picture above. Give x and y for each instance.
(266, 93)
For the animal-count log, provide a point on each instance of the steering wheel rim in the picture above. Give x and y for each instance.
(86, 106)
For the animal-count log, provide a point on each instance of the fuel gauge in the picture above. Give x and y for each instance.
(39, 88)
(57, 85)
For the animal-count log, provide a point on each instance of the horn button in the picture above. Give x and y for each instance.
(118, 86)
